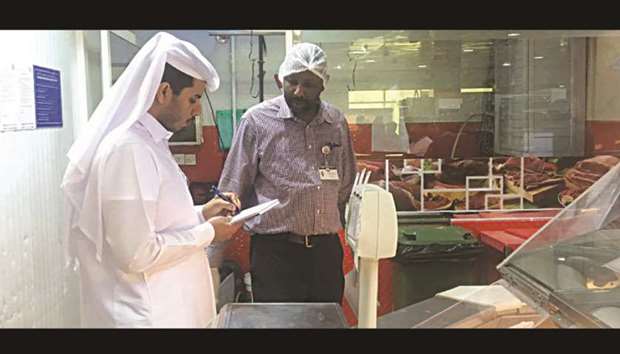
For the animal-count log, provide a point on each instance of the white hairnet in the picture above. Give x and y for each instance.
(303, 57)
(127, 100)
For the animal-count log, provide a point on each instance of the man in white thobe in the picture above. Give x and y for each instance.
(139, 239)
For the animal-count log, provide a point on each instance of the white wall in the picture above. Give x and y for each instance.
(605, 105)
(36, 289)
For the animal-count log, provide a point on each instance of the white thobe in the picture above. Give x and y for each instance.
(154, 270)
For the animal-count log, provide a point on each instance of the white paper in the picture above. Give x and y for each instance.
(254, 211)
(614, 265)
(17, 110)
(489, 295)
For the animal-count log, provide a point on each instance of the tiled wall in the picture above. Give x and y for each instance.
(36, 289)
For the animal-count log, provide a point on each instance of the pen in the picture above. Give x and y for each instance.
(217, 192)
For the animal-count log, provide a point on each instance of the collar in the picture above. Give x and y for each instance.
(284, 112)
(157, 131)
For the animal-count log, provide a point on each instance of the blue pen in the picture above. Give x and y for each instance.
(221, 195)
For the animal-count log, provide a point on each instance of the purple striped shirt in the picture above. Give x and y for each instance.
(277, 156)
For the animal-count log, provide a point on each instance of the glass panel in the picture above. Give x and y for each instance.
(465, 96)
(93, 69)
(495, 92)
(577, 255)
(121, 53)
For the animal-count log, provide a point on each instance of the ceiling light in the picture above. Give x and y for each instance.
(477, 90)
(467, 50)
(222, 39)
(338, 67)
(514, 34)
(539, 57)
(421, 66)
(370, 61)
(506, 64)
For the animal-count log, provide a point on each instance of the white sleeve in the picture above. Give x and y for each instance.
(130, 189)
(198, 209)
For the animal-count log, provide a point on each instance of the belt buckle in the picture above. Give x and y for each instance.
(306, 243)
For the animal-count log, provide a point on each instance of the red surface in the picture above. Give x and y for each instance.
(602, 137)
(477, 227)
(501, 240)
(361, 135)
(522, 233)
(501, 234)
(434, 130)
(480, 226)
(521, 214)
(209, 157)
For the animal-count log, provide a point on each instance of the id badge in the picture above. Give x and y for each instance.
(328, 174)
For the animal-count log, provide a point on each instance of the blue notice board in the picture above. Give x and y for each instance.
(47, 104)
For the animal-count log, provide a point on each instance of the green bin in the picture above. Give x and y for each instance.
(432, 258)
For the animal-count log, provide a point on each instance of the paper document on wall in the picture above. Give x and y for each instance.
(254, 211)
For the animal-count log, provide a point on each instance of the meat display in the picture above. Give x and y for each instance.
(454, 172)
(584, 174)
(537, 173)
(545, 183)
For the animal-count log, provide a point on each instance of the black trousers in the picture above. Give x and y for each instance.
(284, 271)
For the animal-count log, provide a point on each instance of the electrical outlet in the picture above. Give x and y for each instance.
(179, 158)
(190, 159)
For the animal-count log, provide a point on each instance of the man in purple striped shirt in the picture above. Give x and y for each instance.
(297, 149)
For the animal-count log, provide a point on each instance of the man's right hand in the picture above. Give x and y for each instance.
(224, 230)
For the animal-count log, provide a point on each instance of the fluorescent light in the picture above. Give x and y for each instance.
(376, 105)
(514, 34)
(365, 96)
(370, 61)
(477, 90)
(467, 50)
(421, 66)
(506, 64)
(539, 57)
(561, 86)
(338, 67)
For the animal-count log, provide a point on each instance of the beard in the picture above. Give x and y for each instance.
(301, 106)
(173, 125)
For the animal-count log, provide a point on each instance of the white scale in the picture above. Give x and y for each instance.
(372, 234)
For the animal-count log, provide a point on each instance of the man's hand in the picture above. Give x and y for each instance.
(219, 207)
(224, 230)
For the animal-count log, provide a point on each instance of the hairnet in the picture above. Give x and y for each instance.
(305, 57)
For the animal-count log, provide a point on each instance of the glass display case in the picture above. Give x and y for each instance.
(571, 267)
(567, 275)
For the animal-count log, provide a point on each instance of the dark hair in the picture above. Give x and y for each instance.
(177, 79)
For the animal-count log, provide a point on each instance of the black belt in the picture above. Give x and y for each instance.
(305, 240)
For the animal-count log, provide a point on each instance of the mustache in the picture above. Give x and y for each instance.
(302, 101)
